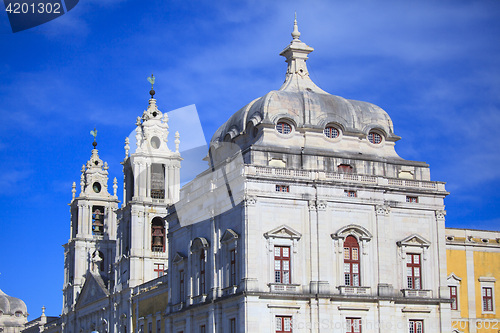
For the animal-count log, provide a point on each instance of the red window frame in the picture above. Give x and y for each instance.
(283, 127)
(374, 138)
(232, 267)
(232, 325)
(202, 273)
(353, 325)
(416, 326)
(487, 293)
(352, 263)
(159, 269)
(344, 168)
(414, 271)
(350, 194)
(158, 326)
(283, 324)
(331, 132)
(411, 199)
(150, 327)
(282, 188)
(454, 297)
(282, 265)
(157, 231)
(203, 329)
(181, 285)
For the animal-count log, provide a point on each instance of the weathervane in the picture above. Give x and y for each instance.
(94, 134)
(151, 79)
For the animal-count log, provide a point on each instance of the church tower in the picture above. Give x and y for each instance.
(151, 185)
(91, 248)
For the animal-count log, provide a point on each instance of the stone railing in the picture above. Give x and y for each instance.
(421, 293)
(350, 290)
(178, 307)
(344, 177)
(285, 288)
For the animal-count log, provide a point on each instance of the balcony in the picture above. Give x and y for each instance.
(285, 288)
(178, 307)
(229, 290)
(420, 293)
(199, 299)
(351, 290)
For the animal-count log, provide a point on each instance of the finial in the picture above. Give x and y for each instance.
(94, 134)
(82, 183)
(127, 146)
(115, 186)
(295, 32)
(151, 79)
(43, 310)
(73, 190)
(177, 141)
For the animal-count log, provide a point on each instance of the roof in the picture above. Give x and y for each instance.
(10, 305)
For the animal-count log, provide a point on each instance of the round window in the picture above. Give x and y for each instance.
(283, 128)
(155, 142)
(374, 138)
(331, 132)
(96, 187)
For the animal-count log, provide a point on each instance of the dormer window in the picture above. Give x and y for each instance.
(374, 138)
(283, 127)
(331, 132)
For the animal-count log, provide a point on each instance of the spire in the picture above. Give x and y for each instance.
(297, 75)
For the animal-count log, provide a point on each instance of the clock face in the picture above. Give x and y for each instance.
(96, 187)
(155, 142)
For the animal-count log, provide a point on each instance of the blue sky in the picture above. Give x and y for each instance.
(433, 66)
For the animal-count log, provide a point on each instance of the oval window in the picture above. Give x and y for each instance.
(374, 138)
(283, 128)
(155, 142)
(96, 187)
(331, 132)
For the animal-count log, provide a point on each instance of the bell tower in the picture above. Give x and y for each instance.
(92, 243)
(151, 185)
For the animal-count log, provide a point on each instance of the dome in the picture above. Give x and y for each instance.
(10, 305)
(305, 105)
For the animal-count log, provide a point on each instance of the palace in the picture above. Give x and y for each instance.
(305, 220)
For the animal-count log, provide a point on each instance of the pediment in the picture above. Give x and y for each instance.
(414, 240)
(453, 278)
(358, 231)
(228, 236)
(283, 231)
(178, 258)
(93, 290)
(198, 244)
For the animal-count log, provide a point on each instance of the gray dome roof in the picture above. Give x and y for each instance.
(10, 305)
(305, 104)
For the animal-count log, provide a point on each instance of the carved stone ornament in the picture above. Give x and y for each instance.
(250, 200)
(383, 210)
(440, 214)
(321, 205)
(312, 205)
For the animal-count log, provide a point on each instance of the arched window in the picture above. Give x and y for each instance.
(351, 262)
(98, 220)
(344, 168)
(283, 127)
(157, 235)
(202, 273)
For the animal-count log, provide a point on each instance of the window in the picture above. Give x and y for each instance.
(282, 264)
(157, 235)
(413, 271)
(374, 138)
(487, 293)
(202, 273)
(232, 268)
(181, 286)
(203, 329)
(331, 132)
(97, 220)
(344, 168)
(454, 298)
(416, 326)
(283, 324)
(232, 325)
(282, 188)
(158, 326)
(283, 128)
(150, 327)
(351, 262)
(159, 270)
(157, 181)
(353, 325)
(411, 199)
(350, 194)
